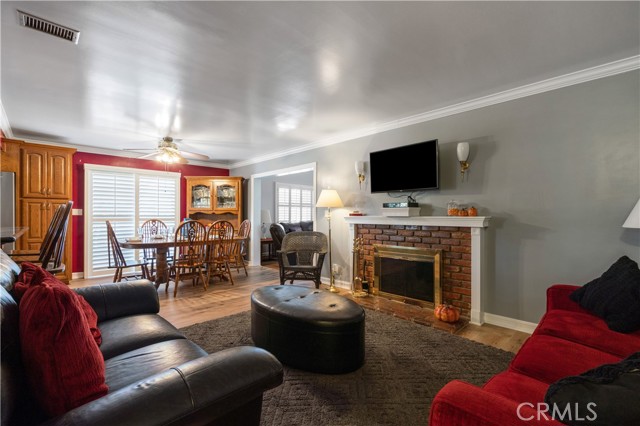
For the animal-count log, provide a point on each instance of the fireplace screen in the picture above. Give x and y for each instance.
(409, 274)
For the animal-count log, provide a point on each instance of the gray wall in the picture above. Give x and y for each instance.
(559, 172)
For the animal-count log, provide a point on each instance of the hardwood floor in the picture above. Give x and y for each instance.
(194, 305)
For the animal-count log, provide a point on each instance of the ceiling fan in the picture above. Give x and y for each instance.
(168, 152)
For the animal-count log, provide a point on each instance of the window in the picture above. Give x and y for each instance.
(293, 202)
(126, 198)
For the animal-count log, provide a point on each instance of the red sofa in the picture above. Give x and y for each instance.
(568, 341)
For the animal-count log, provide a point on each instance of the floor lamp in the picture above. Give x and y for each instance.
(329, 198)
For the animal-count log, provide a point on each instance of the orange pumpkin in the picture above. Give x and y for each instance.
(447, 313)
(472, 211)
(438, 310)
(463, 212)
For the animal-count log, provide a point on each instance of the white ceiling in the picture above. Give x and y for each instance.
(241, 80)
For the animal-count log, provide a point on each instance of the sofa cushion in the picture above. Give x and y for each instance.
(291, 227)
(517, 387)
(64, 365)
(589, 330)
(31, 275)
(125, 334)
(130, 367)
(615, 296)
(306, 225)
(606, 395)
(549, 358)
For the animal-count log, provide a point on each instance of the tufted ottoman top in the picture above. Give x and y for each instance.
(307, 306)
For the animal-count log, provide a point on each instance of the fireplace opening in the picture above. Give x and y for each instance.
(409, 274)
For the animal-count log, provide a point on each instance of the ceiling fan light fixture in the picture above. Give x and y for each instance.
(171, 157)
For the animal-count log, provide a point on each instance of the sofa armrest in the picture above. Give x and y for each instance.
(462, 404)
(122, 299)
(558, 298)
(196, 392)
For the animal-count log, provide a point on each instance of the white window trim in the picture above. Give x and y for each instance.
(292, 186)
(88, 207)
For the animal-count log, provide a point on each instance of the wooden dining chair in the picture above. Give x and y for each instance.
(51, 252)
(189, 256)
(117, 259)
(148, 229)
(239, 250)
(219, 250)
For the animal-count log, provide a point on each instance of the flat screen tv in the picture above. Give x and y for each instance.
(408, 168)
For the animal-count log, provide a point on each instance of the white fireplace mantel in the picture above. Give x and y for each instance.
(478, 249)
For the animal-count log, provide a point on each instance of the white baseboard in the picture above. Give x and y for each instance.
(77, 275)
(512, 323)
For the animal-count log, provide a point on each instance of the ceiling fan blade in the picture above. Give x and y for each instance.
(153, 154)
(193, 155)
(139, 149)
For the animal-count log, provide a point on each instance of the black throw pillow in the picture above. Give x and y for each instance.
(606, 395)
(615, 296)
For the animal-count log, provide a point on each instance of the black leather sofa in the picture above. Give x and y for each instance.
(279, 230)
(155, 375)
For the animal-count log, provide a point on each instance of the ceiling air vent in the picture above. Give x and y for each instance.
(51, 28)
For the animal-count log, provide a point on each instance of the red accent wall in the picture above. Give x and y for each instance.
(82, 158)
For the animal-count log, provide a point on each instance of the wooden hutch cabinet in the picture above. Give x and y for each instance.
(43, 181)
(46, 173)
(211, 198)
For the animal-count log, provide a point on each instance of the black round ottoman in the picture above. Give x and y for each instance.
(308, 329)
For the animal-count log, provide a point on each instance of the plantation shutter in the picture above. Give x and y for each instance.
(282, 203)
(126, 198)
(157, 199)
(293, 202)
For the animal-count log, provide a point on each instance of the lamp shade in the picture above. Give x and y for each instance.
(633, 221)
(359, 167)
(463, 151)
(329, 198)
(265, 216)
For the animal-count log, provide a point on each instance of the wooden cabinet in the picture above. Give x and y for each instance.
(46, 172)
(226, 196)
(44, 179)
(10, 155)
(211, 198)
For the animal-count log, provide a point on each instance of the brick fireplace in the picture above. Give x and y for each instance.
(460, 240)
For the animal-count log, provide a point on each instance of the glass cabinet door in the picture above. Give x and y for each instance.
(200, 196)
(226, 196)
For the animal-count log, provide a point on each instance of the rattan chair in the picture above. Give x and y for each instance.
(301, 256)
(117, 259)
(189, 259)
(220, 247)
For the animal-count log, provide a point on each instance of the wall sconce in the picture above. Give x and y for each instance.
(463, 156)
(360, 172)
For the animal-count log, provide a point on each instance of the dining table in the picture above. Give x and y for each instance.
(162, 244)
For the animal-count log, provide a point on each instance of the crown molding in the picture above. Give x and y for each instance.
(600, 71)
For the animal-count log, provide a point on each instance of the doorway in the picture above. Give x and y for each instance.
(257, 203)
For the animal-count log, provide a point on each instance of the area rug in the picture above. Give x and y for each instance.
(406, 365)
